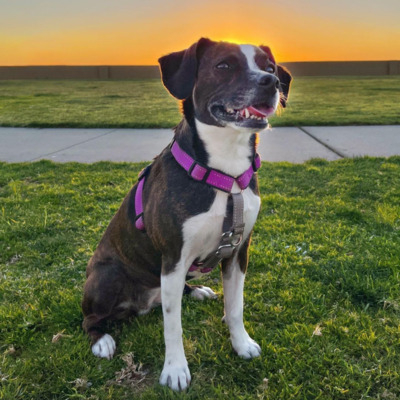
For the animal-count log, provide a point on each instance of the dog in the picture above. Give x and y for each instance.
(171, 225)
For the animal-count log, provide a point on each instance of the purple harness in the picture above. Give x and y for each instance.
(213, 177)
(199, 173)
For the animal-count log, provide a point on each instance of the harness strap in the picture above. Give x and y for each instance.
(139, 222)
(210, 176)
(233, 228)
(233, 225)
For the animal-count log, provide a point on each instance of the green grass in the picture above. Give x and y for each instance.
(325, 258)
(146, 104)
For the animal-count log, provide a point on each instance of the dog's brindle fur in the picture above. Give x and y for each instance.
(131, 270)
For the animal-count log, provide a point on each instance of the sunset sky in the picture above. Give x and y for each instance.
(132, 32)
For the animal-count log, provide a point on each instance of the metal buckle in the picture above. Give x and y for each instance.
(226, 235)
(229, 235)
(223, 246)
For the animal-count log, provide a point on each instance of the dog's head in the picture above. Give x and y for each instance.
(229, 84)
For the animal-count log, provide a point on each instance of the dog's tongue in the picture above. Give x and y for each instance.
(260, 111)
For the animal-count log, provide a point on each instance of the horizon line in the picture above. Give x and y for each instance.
(156, 65)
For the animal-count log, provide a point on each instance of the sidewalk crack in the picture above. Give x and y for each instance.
(330, 148)
(72, 145)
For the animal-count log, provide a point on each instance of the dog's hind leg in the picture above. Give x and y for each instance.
(103, 293)
(199, 292)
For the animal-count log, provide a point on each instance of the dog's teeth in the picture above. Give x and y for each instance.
(252, 116)
(247, 113)
(230, 110)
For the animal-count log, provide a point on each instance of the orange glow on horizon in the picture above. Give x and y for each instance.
(234, 41)
(138, 33)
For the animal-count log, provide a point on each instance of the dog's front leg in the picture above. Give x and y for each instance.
(175, 373)
(233, 273)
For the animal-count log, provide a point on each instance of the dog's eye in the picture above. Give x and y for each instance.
(223, 65)
(270, 69)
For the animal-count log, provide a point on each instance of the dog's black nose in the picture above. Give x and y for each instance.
(269, 81)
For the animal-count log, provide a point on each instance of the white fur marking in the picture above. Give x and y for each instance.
(242, 343)
(104, 347)
(250, 51)
(176, 376)
(203, 292)
(228, 147)
(202, 232)
(175, 373)
(126, 304)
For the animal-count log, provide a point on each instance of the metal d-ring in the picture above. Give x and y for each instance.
(231, 237)
(239, 240)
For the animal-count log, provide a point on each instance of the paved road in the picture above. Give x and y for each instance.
(277, 144)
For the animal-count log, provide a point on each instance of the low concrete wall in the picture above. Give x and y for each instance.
(80, 72)
(330, 68)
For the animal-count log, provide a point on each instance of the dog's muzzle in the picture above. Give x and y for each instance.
(254, 111)
(252, 116)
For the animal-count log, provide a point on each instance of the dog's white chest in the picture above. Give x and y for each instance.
(228, 151)
(202, 233)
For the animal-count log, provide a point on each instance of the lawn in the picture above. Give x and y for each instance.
(146, 104)
(322, 295)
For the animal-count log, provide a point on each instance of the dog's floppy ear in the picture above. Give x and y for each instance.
(285, 78)
(179, 69)
(283, 74)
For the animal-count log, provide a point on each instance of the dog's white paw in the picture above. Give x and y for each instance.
(104, 347)
(246, 347)
(203, 292)
(175, 375)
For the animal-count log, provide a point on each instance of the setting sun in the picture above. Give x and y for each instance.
(88, 32)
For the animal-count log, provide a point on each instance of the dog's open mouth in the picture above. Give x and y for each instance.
(251, 116)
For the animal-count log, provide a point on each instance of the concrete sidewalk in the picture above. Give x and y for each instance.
(277, 144)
